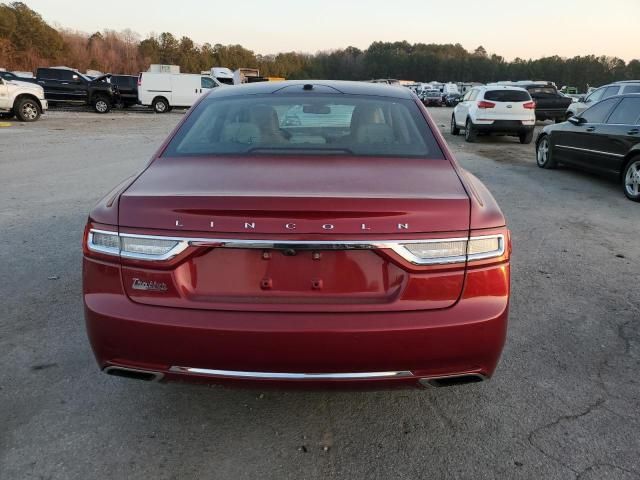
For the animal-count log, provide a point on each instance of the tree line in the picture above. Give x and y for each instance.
(28, 42)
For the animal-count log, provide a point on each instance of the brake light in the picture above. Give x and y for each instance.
(140, 79)
(485, 104)
(530, 105)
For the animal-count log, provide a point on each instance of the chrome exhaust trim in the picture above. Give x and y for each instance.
(291, 376)
(134, 373)
(452, 380)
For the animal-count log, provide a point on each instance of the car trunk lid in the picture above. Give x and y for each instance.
(306, 199)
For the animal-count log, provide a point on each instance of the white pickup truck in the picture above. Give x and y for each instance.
(23, 100)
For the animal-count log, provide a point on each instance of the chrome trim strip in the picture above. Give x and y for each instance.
(398, 246)
(291, 376)
(589, 150)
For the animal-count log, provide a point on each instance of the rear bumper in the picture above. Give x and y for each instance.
(345, 350)
(505, 127)
(552, 113)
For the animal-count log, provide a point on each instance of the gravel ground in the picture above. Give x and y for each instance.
(565, 401)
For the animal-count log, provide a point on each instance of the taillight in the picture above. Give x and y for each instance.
(136, 247)
(456, 250)
(530, 105)
(485, 104)
(139, 79)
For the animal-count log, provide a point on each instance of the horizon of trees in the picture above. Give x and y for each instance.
(28, 42)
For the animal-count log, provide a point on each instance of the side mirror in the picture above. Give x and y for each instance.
(582, 99)
(577, 120)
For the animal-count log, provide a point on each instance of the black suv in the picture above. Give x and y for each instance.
(65, 85)
(128, 88)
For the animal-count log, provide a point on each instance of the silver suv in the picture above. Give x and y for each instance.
(617, 88)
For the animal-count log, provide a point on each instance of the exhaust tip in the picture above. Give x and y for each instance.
(132, 373)
(452, 380)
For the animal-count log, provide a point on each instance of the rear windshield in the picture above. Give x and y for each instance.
(550, 91)
(337, 124)
(507, 96)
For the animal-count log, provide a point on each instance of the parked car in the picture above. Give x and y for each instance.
(339, 251)
(67, 86)
(604, 139)
(163, 91)
(550, 104)
(613, 89)
(495, 110)
(452, 99)
(128, 89)
(432, 98)
(23, 100)
(12, 76)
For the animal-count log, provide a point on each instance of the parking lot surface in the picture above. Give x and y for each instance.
(564, 403)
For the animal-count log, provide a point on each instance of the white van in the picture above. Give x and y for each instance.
(163, 91)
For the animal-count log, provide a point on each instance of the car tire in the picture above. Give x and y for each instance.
(544, 157)
(27, 110)
(526, 138)
(470, 133)
(101, 104)
(631, 179)
(161, 105)
(455, 130)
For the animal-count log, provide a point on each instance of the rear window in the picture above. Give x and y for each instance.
(627, 112)
(542, 91)
(507, 96)
(336, 124)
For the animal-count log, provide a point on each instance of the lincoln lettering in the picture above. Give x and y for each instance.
(293, 226)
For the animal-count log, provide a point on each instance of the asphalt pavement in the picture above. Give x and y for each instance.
(564, 403)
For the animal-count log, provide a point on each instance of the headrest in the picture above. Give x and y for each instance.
(373, 133)
(241, 132)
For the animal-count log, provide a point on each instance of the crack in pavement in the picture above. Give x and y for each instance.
(557, 421)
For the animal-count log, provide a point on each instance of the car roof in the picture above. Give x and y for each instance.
(321, 86)
(624, 82)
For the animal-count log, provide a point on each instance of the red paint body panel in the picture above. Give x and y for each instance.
(307, 192)
(347, 311)
(465, 338)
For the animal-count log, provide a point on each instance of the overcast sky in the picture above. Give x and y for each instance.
(509, 28)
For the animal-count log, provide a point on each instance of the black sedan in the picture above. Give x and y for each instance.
(604, 139)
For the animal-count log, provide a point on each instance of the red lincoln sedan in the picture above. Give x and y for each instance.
(300, 233)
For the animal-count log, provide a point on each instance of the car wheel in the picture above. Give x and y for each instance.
(470, 133)
(631, 179)
(526, 138)
(160, 105)
(543, 153)
(27, 110)
(101, 105)
(455, 130)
